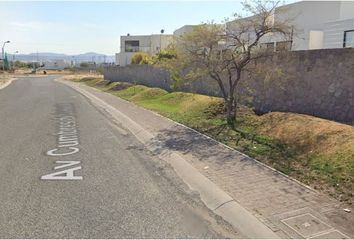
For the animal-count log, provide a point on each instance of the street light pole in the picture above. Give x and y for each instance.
(13, 59)
(3, 55)
(14, 56)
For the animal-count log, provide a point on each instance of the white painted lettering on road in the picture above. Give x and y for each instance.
(66, 164)
(53, 152)
(67, 145)
(67, 174)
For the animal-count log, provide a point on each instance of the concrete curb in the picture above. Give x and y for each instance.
(213, 197)
(7, 83)
(224, 145)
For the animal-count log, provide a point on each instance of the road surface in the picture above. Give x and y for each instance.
(68, 171)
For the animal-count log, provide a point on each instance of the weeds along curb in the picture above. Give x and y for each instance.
(222, 144)
(241, 153)
(7, 83)
(213, 197)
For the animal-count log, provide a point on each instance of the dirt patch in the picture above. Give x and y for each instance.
(120, 86)
(5, 80)
(83, 77)
(102, 83)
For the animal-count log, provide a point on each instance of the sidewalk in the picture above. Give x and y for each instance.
(289, 208)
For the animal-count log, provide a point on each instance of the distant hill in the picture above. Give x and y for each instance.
(47, 56)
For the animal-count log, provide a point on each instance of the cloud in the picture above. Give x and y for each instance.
(36, 26)
(28, 26)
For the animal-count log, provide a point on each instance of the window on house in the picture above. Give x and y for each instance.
(348, 40)
(283, 46)
(269, 45)
(132, 46)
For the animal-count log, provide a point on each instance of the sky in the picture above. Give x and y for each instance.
(79, 27)
(75, 27)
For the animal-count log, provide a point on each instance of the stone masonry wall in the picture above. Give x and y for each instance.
(316, 82)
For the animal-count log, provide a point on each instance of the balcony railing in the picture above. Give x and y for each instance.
(136, 49)
(131, 49)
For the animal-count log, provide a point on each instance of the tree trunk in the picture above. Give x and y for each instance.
(232, 101)
(230, 114)
(235, 109)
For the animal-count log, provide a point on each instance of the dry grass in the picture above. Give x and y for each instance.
(82, 77)
(315, 151)
(324, 150)
(309, 133)
(22, 71)
(4, 79)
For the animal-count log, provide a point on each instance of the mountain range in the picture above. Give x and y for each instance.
(48, 56)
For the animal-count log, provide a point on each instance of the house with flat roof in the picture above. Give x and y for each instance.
(56, 65)
(184, 29)
(316, 25)
(150, 44)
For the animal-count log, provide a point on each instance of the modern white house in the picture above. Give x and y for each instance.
(55, 65)
(150, 44)
(184, 29)
(316, 25)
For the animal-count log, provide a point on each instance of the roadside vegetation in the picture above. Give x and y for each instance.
(4, 78)
(315, 151)
(226, 56)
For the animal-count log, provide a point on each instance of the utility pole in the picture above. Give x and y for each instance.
(162, 31)
(14, 56)
(3, 55)
(13, 59)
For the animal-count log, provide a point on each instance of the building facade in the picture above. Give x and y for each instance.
(316, 25)
(56, 65)
(150, 44)
(184, 29)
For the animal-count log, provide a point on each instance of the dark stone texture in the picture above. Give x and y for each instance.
(315, 82)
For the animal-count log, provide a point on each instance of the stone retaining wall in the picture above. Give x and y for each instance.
(316, 82)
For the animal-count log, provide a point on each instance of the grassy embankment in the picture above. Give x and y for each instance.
(315, 151)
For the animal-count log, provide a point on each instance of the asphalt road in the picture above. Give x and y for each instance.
(68, 171)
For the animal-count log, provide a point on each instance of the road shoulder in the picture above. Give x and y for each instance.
(5, 81)
(274, 199)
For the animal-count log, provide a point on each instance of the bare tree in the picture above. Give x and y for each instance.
(225, 53)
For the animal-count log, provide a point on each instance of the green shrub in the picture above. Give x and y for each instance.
(84, 64)
(139, 58)
(19, 64)
(166, 54)
(147, 60)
